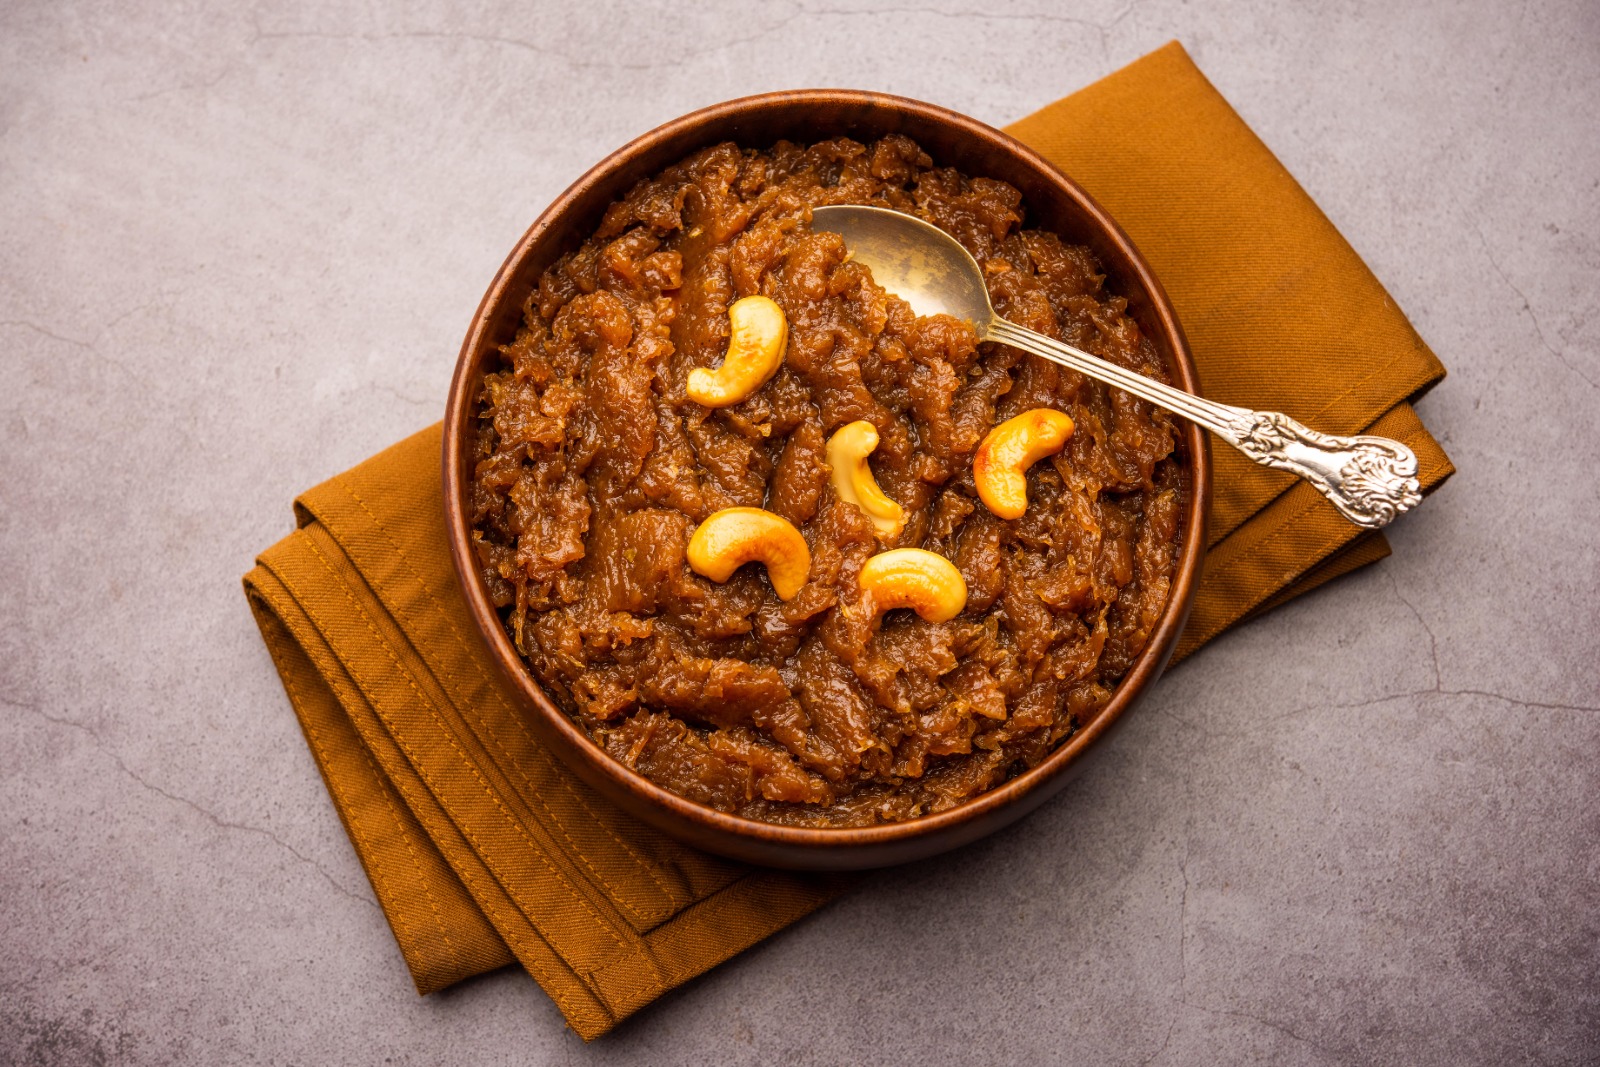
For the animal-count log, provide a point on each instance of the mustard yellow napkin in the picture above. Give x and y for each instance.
(482, 850)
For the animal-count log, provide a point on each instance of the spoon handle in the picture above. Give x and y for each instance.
(1369, 479)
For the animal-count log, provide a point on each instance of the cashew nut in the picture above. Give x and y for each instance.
(848, 450)
(732, 537)
(912, 578)
(1000, 467)
(756, 342)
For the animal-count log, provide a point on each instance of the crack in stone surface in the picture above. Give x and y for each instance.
(1183, 921)
(1183, 945)
(1183, 975)
(203, 812)
(678, 60)
(183, 87)
(1527, 305)
(1543, 706)
(1279, 1027)
(1102, 28)
(518, 43)
(1437, 689)
(1165, 1041)
(1438, 673)
(1433, 641)
(385, 387)
(92, 347)
(23, 324)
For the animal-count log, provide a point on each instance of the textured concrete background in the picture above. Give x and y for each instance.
(239, 246)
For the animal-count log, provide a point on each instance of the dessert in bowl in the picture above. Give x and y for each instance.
(780, 566)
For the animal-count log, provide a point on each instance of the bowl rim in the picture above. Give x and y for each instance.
(1147, 667)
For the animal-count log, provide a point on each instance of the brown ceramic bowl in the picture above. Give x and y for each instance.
(1054, 202)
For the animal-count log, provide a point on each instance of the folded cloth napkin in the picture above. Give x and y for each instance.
(482, 850)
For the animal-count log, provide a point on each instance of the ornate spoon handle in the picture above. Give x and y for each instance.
(1369, 479)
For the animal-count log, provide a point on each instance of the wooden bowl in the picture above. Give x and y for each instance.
(1054, 202)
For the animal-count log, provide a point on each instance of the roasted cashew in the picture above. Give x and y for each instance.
(732, 537)
(848, 450)
(757, 339)
(1000, 467)
(925, 582)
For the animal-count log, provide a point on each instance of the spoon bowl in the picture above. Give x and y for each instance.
(915, 260)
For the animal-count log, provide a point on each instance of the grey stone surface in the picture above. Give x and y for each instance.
(239, 245)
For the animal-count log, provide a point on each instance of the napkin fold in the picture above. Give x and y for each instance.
(483, 851)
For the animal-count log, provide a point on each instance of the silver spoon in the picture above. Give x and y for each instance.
(1369, 479)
